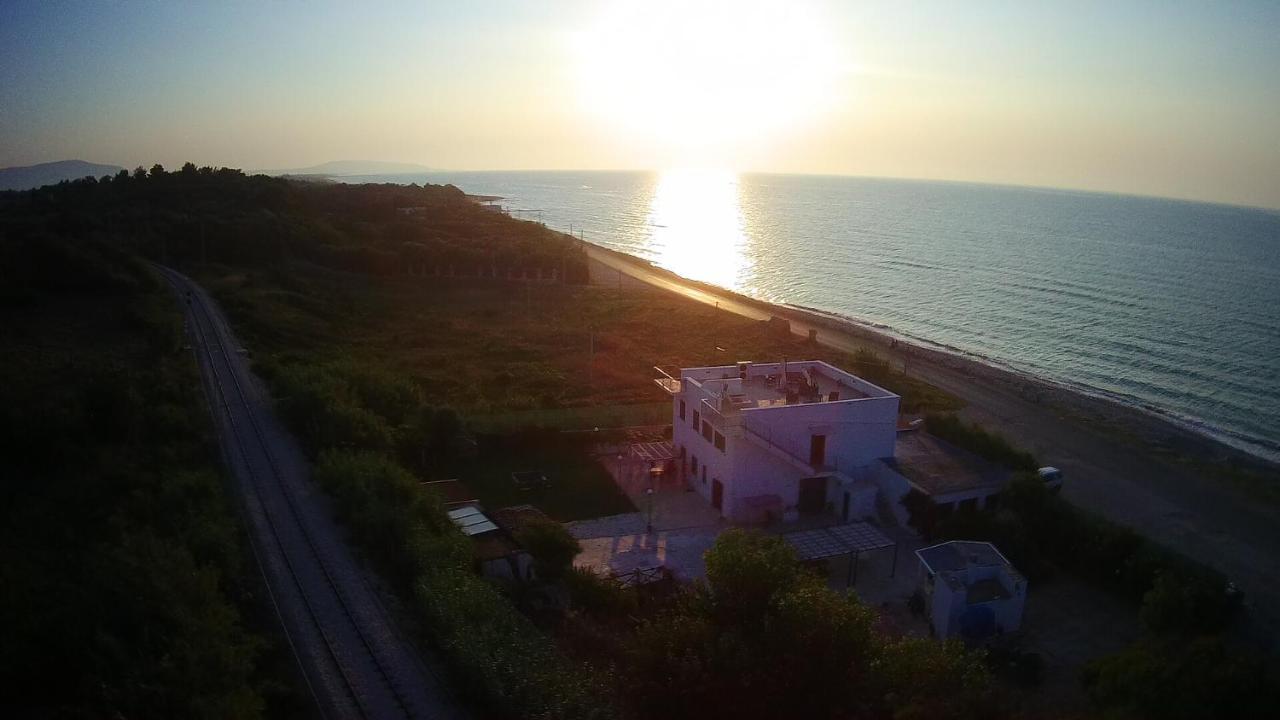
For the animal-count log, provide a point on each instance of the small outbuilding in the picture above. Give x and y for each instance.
(970, 590)
(496, 551)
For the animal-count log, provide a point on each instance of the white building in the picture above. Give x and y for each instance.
(774, 440)
(970, 589)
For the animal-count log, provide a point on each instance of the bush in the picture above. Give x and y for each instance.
(1173, 679)
(985, 444)
(551, 546)
(597, 595)
(1177, 593)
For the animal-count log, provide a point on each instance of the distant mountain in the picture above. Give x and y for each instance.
(341, 168)
(34, 176)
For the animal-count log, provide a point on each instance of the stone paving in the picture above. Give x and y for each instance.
(684, 525)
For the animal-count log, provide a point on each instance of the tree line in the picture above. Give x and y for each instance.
(203, 214)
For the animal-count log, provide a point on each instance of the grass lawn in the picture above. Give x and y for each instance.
(575, 418)
(580, 487)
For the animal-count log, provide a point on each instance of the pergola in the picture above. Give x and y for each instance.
(852, 540)
(654, 452)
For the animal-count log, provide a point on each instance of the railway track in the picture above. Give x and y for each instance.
(355, 662)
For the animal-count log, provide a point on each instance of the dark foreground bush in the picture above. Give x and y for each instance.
(1172, 679)
(764, 638)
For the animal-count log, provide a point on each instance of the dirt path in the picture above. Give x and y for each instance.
(1100, 446)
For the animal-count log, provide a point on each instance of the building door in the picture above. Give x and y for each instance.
(844, 509)
(717, 494)
(818, 451)
(813, 495)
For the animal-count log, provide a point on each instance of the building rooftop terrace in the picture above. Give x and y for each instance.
(764, 385)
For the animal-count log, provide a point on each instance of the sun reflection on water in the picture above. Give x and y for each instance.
(696, 226)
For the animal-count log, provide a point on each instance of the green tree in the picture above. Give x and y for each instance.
(764, 638)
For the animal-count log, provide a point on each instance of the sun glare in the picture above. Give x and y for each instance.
(697, 228)
(702, 73)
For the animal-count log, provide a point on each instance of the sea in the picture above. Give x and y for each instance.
(1166, 305)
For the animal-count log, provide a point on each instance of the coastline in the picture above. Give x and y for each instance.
(919, 355)
(1131, 465)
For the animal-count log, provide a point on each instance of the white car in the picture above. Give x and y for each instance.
(1052, 478)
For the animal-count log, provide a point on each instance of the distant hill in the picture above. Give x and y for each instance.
(341, 168)
(34, 176)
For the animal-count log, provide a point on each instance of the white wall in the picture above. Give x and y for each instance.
(949, 605)
(858, 431)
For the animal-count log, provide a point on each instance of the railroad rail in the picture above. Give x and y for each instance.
(355, 663)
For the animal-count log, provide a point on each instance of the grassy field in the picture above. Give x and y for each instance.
(575, 418)
(496, 349)
(511, 356)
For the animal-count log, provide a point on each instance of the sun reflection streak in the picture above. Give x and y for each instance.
(696, 226)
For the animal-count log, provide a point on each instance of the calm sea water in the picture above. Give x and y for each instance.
(1169, 305)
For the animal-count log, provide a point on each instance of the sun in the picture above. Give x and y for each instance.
(702, 73)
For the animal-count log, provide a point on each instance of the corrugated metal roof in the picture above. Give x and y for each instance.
(471, 521)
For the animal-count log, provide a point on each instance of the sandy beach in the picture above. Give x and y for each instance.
(1130, 465)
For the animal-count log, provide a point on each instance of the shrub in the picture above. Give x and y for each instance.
(597, 595)
(1177, 593)
(980, 442)
(1174, 679)
(551, 546)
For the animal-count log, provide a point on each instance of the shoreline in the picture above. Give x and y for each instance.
(1230, 447)
(1160, 426)
(1175, 486)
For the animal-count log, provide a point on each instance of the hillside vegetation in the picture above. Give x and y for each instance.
(126, 587)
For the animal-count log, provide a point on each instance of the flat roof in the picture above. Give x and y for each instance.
(471, 520)
(764, 385)
(961, 554)
(950, 562)
(939, 468)
(837, 540)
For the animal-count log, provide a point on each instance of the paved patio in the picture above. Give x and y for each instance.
(684, 525)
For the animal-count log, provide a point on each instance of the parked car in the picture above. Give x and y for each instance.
(1052, 478)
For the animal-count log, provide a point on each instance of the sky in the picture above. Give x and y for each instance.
(1176, 99)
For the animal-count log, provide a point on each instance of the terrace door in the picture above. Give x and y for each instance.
(818, 451)
(717, 494)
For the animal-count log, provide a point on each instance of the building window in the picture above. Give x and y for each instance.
(697, 419)
(694, 464)
(706, 431)
(704, 474)
(682, 409)
(720, 442)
